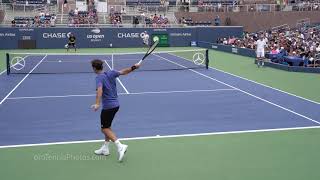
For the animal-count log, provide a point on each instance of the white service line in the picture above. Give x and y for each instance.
(125, 89)
(165, 136)
(22, 80)
(245, 92)
(132, 93)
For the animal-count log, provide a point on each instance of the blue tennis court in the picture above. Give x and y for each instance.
(47, 108)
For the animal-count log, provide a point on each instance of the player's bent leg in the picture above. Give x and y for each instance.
(122, 148)
(262, 58)
(104, 149)
(107, 116)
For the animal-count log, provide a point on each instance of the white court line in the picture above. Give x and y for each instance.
(245, 92)
(257, 83)
(136, 93)
(125, 89)
(3, 71)
(162, 137)
(266, 86)
(22, 80)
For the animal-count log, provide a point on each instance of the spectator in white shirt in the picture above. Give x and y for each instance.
(123, 11)
(76, 11)
(261, 44)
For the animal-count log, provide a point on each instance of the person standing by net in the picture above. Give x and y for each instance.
(260, 48)
(107, 91)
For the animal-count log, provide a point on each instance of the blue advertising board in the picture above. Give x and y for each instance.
(111, 37)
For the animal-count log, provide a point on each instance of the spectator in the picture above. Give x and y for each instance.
(135, 21)
(13, 23)
(52, 21)
(42, 18)
(76, 11)
(318, 48)
(123, 11)
(217, 21)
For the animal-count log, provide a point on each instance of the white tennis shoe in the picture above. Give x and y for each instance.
(104, 150)
(122, 150)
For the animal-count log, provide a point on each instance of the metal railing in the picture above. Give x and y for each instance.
(28, 9)
(107, 26)
(215, 8)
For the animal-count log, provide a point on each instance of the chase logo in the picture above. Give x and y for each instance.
(56, 35)
(130, 35)
(96, 31)
(68, 34)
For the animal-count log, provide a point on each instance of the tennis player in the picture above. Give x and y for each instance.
(145, 38)
(107, 91)
(72, 42)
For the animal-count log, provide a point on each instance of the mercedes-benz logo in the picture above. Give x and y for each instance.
(18, 63)
(198, 58)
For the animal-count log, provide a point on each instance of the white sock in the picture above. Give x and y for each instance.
(106, 144)
(118, 144)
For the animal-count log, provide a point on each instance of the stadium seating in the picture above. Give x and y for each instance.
(147, 2)
(83, 18)
(33, 21)
(215, 2)
(31, 2)
(190, 22)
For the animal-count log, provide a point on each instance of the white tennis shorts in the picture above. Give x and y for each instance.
(260, 54)
(146, 41)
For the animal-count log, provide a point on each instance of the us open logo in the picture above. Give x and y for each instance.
(95, 36)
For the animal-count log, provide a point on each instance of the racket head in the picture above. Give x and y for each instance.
(150, 50)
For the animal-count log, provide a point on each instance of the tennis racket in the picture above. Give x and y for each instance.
(150, 50)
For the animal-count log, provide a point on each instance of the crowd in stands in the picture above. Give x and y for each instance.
(115, 16)
(302, 42)
(157, 21)
(150, 2)
(83, 18)
(154, 20)
(189, 22)
(42, 20)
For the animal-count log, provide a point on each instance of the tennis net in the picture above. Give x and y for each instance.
(54, 63)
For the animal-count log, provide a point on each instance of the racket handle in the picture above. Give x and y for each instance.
(140, 62)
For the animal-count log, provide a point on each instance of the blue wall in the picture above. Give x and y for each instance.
(103, 37)
(228, 49)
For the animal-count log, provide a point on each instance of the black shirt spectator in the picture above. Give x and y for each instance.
(217, 21)
(135, 21)
(13, 23)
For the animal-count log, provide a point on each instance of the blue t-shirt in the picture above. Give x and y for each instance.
(107, 81)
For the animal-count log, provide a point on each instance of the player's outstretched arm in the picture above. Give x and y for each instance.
(129, 70)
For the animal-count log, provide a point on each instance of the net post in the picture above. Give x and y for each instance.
(8, 63)
(207, 59)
